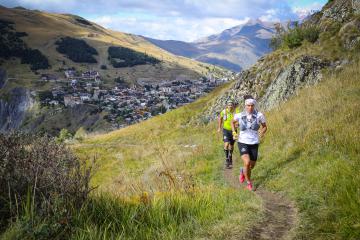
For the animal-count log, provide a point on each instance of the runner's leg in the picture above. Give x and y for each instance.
(247, 169)
(231, 150)
(226, 151)
(252, 165)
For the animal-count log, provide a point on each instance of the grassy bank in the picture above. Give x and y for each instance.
(163, 180)
(312, 154)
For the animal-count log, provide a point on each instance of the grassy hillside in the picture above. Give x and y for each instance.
(310, 154)
(163, 178)
(167, 157)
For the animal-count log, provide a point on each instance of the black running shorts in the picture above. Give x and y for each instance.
(251, 149)
(228, 137)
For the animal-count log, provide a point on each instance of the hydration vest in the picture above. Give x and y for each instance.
(243, 122)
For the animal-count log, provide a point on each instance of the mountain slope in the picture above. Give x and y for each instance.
(235, 48)
(34, 44)
(44, 29)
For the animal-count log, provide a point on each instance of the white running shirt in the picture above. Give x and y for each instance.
(250, 136)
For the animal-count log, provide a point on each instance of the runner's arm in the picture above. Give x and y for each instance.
(220, 122)
(263, 129)
(233, 127)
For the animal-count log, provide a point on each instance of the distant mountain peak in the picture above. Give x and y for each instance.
(235, 48)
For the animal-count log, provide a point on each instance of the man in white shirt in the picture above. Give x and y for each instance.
(250, 121)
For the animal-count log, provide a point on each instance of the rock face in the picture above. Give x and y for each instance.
(304, 71)
(350, 34)
(356, 6)
(13, 108)
(3, 78)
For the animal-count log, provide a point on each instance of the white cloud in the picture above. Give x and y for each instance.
(303, 12)
(170, 19)
(186, 29)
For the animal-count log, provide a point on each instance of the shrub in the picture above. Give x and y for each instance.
(80, 134)
(39, 177)
(294, 35)
(293, 38)
(64, 135)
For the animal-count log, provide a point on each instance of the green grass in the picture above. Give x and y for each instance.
(312, 153)
(162, 178)
(170, 215)
(177, 165)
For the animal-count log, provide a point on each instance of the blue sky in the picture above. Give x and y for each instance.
(185, 20)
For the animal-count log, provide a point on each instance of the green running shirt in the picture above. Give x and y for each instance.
(228, 118)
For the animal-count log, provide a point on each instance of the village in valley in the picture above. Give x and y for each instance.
(126, 104)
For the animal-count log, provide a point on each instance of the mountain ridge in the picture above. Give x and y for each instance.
(235, 48)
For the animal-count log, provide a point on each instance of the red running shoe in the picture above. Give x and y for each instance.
(249, 186)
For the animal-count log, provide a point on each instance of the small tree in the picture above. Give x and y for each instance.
(80, 134)
(64, 135)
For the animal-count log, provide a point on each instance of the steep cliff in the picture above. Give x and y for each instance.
(13, 108)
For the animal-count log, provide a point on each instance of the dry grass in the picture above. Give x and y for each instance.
(312, 153)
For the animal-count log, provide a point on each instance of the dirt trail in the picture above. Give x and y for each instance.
(280, 214)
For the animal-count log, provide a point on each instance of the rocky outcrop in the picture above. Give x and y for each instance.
(3, 78)
(335, 11)
(304, 71)
(13, 107)
(356, 6)
(350, 34)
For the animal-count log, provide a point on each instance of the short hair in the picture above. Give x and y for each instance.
(248, 96)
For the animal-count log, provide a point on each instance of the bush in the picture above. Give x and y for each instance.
(294, 36)
(77, 50)
(39, 177)
(63, 136)
(80, 134)
(311, 33)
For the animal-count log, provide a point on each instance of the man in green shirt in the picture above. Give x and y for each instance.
(224, 122)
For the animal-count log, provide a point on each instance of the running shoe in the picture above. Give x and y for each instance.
(241, 176)
(249, 186)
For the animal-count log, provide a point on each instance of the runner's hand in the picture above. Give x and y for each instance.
(235, 135)
(261, 134)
